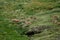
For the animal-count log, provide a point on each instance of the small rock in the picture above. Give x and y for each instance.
(15, 20)
(27, 22)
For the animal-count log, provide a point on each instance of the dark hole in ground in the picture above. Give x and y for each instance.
(31, 33)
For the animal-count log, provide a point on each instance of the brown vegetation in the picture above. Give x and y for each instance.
(55, 19)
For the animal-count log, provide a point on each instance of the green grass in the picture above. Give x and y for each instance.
(43, 10)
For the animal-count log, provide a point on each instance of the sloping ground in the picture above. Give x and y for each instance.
(18, 16)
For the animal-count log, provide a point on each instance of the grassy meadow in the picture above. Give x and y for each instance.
(18, 16)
